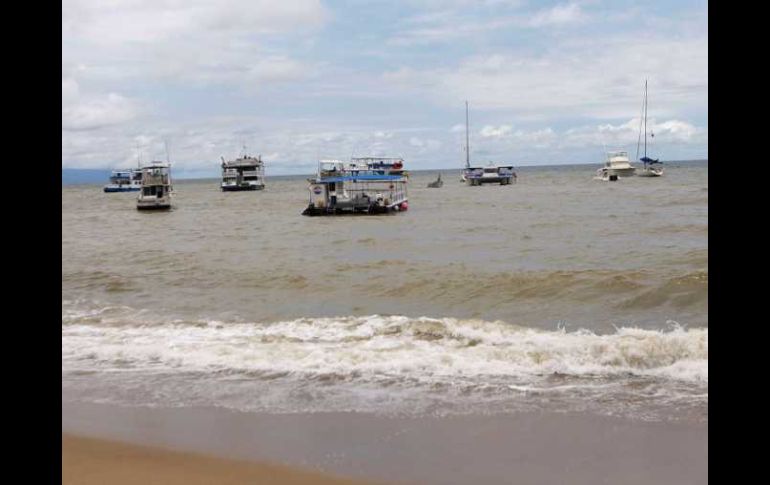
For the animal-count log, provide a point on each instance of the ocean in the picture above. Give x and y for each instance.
(558, 293)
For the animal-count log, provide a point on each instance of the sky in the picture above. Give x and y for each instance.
(548, 82)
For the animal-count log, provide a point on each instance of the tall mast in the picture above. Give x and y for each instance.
(467, 142)
(645, 118)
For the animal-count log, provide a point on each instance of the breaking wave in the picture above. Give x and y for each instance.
(423, 349)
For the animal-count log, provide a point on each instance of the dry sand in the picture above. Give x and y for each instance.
(94, 461)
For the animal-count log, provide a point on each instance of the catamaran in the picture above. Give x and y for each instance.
(363, 186)
(243, 173)
(156, 187)
(478, 175)
(649, 169)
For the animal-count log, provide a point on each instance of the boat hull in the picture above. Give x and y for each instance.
(649, 173)
(241, 188)
(312, 210)
(489, 180)
(109, 189)
(159, 207)
(621, 172)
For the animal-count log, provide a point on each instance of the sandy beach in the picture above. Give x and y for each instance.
(96, 461)
(523, 448)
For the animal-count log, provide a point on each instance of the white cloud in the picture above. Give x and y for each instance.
(568, 13)
(600, 78)
(495, 132)
(90, 112)
(192, 41)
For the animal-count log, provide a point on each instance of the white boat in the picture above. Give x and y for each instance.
(605, 176)
(243, 173)
(478, 175)
(649, 170)
(617, 163)
(363, 186)
(128, 180)
(156, 187)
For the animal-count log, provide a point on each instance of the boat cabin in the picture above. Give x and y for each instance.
(156, 187)
(245, 173)
(129, 180)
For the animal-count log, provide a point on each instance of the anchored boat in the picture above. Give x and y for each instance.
(129, 180)
(617, 163)
(478, 175)
(156, 187)
(363, 186)
(491, 174)
(244, 173)
(649, 169)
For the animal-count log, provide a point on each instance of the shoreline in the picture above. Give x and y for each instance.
(522, 448)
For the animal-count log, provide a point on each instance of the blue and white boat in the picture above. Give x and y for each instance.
(363, 186)
(129, 180)
(649, 170)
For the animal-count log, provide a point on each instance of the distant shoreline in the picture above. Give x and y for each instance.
(85, 176)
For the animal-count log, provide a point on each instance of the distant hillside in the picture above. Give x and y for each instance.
(72, 176)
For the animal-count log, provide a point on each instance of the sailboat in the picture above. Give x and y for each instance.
(478, 175)
(649, 169)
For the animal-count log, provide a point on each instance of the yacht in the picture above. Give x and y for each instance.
(617, 163)
(129, 180)
(243, 173)
(156, 187)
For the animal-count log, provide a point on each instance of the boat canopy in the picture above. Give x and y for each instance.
(363, 177)
(649, 160)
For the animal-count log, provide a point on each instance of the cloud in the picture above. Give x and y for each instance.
(568, 13)
(203, 42)
(600, 78)
(91, 112)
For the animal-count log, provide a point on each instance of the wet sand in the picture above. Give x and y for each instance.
(523, 448)
(93, 461)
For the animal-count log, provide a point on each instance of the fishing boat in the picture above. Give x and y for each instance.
(156, 187)
(649, 170)
(129, 180)
(362, 186)
(243, 173)
(617, 163)
(478, 175)
(437, 184)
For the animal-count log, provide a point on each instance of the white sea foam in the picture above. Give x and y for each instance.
(382, 347)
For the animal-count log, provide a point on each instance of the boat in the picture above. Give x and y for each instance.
(156, 187)
(491, 174)
(649, 170)
(437, 184)
(617, 163)
(478, 175)
(606, 177)
(362, 186)
(128, 180)
(243, 173)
